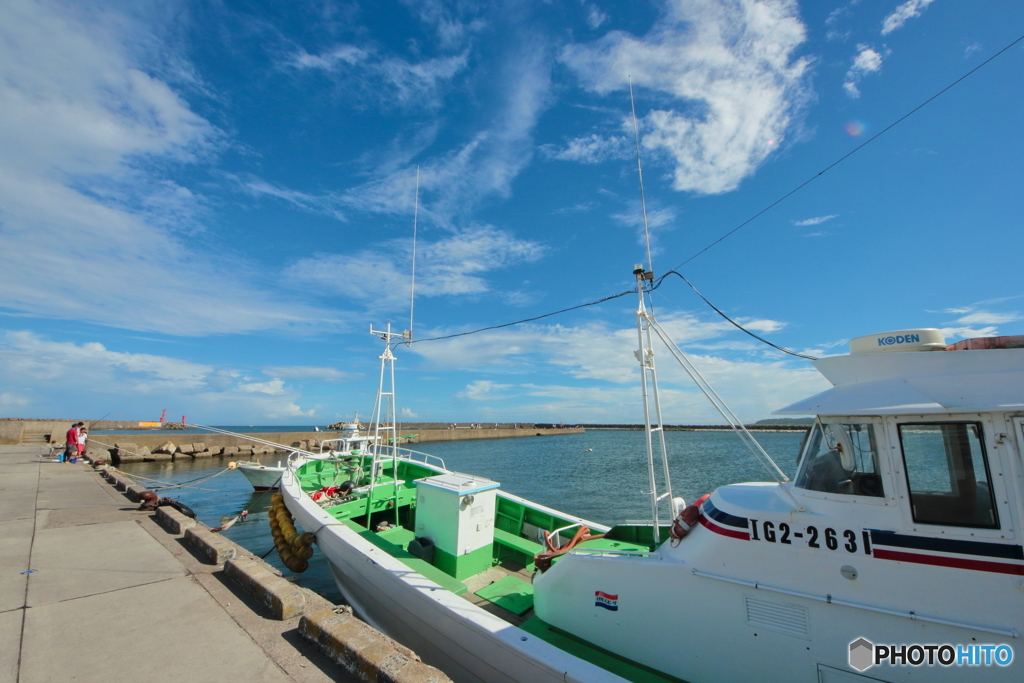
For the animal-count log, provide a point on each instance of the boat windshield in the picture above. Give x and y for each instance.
(841, 457)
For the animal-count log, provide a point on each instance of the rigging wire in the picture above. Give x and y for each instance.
(847, 155)
(733, 322)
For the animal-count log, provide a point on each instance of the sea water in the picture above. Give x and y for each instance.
(600, 475)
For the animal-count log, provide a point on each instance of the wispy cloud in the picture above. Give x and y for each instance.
(452, 183)
(817, 220)
(659, 221)
(326, 204)
(591, 149)
(387, 80)
(595, 17)
(902, 14)
(867, 61)
(976, 320)
(307, 372)
(453, 265)
(730, 72)
(484, 390)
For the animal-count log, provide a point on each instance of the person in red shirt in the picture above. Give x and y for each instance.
(71, 443)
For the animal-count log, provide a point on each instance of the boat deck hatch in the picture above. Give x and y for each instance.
(510, 593)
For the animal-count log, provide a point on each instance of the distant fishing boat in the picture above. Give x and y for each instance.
(901, 530)
(268, 477)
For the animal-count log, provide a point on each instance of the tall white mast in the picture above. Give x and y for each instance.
(645, 355)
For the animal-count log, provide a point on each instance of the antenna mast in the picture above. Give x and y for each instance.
(645, 355)
(415, 217)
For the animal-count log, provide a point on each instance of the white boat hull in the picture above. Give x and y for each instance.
(262, 477)
(466, 642)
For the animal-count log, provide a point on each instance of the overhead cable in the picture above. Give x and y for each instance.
(733, 322)
(525, 320)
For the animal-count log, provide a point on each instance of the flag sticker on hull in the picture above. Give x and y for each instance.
(606, 600)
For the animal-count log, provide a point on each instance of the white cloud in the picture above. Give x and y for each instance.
(9, 400)
(595, 17)
(902, 14)
(327, 204)
(867, 61)
(450, 266)
(591, 149)
(484, 390)
(407, 414)
(596, 353)
(816, 220)
(988, 318)
(274, 387)
(386, 79)
(307, 372)
(968, 332)
(729, 67)
(659, 220)
(71, 375)
(85, 133)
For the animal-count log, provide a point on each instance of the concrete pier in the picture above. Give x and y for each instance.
(92, 590)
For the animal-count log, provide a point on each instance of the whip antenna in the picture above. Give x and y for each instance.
(415, 217)
(640, 174)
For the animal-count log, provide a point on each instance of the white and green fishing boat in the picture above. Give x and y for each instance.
(902, 531)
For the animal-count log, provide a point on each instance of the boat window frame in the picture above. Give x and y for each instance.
(998, 468)
(990, 480)
(885, 471)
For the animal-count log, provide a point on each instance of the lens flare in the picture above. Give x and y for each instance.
(855, 128)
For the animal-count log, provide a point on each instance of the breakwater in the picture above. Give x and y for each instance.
(166, 445)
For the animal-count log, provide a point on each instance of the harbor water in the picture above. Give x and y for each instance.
(599, 475)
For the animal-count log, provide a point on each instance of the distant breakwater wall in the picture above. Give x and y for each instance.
(215, 444)
(707, 428)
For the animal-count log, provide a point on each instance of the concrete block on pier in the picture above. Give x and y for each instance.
(364, 652)
(173, 521)
(214, 547)
(283, 598)
(203, 454)
(157, 457)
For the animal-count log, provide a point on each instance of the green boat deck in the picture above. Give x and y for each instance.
(505, 589)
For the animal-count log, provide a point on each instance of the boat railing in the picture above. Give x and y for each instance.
(409, 454)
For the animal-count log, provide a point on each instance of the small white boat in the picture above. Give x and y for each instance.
(901, 534)
(268, 477)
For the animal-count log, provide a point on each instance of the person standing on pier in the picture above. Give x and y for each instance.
(70, 443)
(83, 436)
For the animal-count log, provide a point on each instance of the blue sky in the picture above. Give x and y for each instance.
(204, 205)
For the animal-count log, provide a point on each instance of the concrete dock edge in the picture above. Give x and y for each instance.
(215, 548)
(173, 521)
(364, 652)
(283, 598)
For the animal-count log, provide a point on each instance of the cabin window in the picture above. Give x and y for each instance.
(948, 474)
(841, 458)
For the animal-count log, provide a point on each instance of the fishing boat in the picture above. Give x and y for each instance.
(894, 554)
(268, 477)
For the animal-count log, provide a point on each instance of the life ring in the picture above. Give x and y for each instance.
(686, 520)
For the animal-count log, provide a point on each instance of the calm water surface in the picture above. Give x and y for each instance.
(603, 484)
